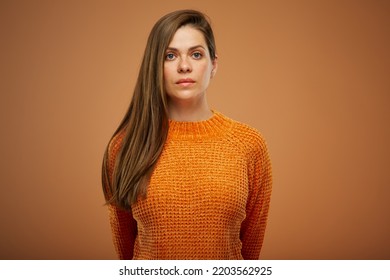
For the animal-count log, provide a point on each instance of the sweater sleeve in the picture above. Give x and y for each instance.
(123, 225)
(260, 187)
(124, 232)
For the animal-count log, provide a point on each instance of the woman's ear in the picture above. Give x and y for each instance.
(215, 66)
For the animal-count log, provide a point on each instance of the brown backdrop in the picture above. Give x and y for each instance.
(312, 76)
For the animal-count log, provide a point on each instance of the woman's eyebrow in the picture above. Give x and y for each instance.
(190, 49)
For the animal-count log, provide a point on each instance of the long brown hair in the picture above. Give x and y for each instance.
(145, 124)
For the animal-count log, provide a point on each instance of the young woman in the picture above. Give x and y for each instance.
(183, 181)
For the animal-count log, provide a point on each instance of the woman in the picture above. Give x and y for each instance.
(183, 181)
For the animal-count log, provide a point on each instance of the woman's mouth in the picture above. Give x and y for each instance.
(185, 82)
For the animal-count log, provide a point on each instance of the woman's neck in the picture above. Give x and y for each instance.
(189, 111)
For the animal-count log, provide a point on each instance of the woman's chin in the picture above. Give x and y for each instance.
(185, 96)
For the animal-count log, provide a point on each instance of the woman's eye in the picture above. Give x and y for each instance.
(197, 55)
(170, 56)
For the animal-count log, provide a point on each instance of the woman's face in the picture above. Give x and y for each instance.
(188, 67)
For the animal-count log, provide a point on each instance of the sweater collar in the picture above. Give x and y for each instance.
(215, 126)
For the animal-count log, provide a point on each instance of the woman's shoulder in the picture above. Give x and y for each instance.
(115, 144)
(247, 136)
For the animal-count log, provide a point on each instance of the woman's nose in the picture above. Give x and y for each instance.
(184, 66)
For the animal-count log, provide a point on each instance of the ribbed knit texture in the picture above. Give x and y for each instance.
(208, 197)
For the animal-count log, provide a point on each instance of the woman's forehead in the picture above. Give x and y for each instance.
(187, 37)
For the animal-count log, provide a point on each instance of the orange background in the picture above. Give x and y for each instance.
(312, 76)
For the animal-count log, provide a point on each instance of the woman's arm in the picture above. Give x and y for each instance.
(260, 187)
(123, 225)
(124, 231)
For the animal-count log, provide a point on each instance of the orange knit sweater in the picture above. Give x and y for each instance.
(208, 197)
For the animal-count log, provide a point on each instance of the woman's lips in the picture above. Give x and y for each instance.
(185, 82)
